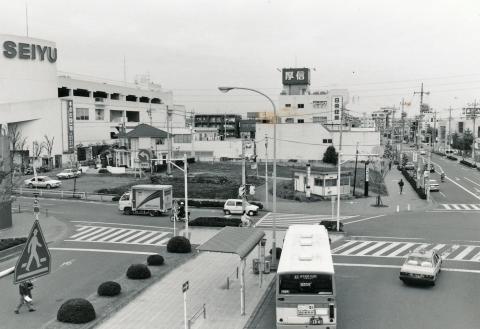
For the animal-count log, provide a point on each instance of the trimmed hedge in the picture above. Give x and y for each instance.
(155, 260)
(420, 191)
(11, 242)
(451, 157)
(138, 272)
(109, 289)
(77, 310)
(215, 221)
(468, 164)
(440, 153)
(179, 244)
(214, 203)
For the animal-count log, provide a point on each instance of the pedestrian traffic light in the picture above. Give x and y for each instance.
(252, 190)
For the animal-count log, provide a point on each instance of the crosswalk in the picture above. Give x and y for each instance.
(458, 207)
(283, 220)
(119, 235)
(396, 249)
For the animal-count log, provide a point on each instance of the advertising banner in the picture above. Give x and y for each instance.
(70, 127)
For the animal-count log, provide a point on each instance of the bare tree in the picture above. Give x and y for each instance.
(37, 149)
(48, 144)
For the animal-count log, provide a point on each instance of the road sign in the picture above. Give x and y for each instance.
(35, 259)
(185, 286)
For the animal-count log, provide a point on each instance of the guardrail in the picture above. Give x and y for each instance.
(62, 194)
(202, 310)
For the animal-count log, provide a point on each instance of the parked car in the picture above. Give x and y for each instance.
(432, 167)
(234, 206)
(421, 266)
(423, 152)
(409, 166)
(331, 225)
(28, 171)
(42, 181)
(434, 187)
(69, 173)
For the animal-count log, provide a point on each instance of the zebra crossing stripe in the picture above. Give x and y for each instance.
(464, 253)
(90, 228)
(117, 231)
(91, 233)
(385, 249)
(160, 236)
(446, 206)
(343, 246)
(121, 236)
(81, 227)
(475, 206)
(476, 257)
(358, 246)
(132, 237)
(95, 237)
(145, 237)
(162, 242)
(371, 248)
(402, 249)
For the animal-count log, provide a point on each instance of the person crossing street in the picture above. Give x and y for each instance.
(25, 296)
(400, 184)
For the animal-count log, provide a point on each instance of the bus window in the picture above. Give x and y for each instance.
(305, 284)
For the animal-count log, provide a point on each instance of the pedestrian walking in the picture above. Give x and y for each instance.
(390, 165)
(401, 183)
(25, 296)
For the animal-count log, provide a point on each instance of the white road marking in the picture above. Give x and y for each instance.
(372, 247)
(456, 178)
(471, 181)
(384, 249)
(402, 249)
(363, 219)
(443, 194)
(111, 223)
(343, 246)
(464, 253)
(265, 216)
(385, 237)
(83, 232)
(460, 270)
(351, 250)
(155, 238)
(104, 251)
(463, 188)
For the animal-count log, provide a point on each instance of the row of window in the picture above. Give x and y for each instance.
(83, 114)
(327, 141)
(331, 181)
(299, 106)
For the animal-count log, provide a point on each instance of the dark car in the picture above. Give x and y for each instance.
(331, 225)
(28, 171)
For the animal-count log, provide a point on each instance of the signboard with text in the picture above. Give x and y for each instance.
(296, 76)
(70, 127)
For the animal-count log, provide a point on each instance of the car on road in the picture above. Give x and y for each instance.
(434, 187)
(69, 173)
(421, 266)
(409, 166)
(42, 181)
(234, 206)
(423, 152)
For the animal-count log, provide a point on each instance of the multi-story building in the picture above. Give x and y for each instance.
(228, 125)
(298, 104)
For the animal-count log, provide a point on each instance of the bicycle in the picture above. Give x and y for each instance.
(245, 221)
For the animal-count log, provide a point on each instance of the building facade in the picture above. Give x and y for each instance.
(228, 125)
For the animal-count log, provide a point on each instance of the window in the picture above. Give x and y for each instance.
(337, 106)
(305, 284)
(99, 114)
(300, 121)
(344, 180)
(330, 182)
(460, 127)
(288, 105)
(329, 141)
(300, 106)
(81, 114)
(325, 141)
(186, 138)
(337, 111)
(337, 100)
(289, 120)
(337, 117)
(318, 182)
(319, 119)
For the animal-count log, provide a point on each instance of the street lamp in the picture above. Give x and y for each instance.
(274, 207)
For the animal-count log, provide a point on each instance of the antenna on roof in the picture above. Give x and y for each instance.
(26, 16)
(124, 71)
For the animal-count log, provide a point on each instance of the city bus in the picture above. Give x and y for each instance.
(305, 285)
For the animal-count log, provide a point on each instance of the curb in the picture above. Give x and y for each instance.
(11, 251)
(260, 303)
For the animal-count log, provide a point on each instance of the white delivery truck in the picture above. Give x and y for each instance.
(152, 200)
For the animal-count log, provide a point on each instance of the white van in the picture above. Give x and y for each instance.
(234, 206)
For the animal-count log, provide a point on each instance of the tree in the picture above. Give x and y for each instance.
(404, 160)
(37, 149)
(387, 153)
(48, 144)
(467, 140)
(330, 155)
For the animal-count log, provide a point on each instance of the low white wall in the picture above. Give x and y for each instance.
(116, 170)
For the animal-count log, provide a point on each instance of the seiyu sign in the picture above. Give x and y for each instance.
(12, 49)
(296, 76)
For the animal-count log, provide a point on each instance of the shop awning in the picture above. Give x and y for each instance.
(234, 240)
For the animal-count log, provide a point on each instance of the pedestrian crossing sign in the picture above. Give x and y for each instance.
(35, 259)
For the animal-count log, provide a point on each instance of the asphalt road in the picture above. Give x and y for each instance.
(82, 262)
(369, 293)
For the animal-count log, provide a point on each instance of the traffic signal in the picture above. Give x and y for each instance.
(241, 191)
(252, 190)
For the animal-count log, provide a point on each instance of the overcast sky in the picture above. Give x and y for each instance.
(380, 50)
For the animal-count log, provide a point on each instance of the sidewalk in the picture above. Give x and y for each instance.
(52, 228)
(161, 305)
(355, 206)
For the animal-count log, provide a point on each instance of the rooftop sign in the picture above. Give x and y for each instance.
(296, 76)
(12, 49)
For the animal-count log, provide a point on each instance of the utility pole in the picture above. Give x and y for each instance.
(472, 113)
(421, 93)
(244, 180)
(339, 163)
(192, 132)
(403, 129)
(449, 129)
(434, 129)
(169, 126)
(266, 170)
(355, 172)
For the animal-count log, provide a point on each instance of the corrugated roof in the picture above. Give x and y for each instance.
(144, 130)
(234, 240)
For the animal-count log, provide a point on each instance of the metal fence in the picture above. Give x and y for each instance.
(202, 310)
(62, 194)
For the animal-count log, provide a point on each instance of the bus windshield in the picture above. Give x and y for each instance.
(305, 284)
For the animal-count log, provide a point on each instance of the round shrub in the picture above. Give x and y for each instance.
(279, 252)
(76, 310)
(155, 260)
(179, 244)
(109, 288)
(138, 272)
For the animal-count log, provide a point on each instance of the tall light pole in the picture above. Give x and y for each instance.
(274, 197)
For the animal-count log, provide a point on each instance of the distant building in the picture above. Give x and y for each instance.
(247, 129)
(228, 125)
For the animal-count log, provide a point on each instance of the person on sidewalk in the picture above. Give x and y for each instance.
(25, 296)
(390, 165)
(401, 183)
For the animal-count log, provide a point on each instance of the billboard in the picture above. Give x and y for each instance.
(296, 76)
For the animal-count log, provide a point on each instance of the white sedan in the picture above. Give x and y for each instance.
(421, 266)
(42, 181)
(69, 173)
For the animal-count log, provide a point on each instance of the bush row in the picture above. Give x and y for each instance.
(468, 164)
(439, 153)
(420, 191)
(451, 157)
(215, 221)
(11, 242)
